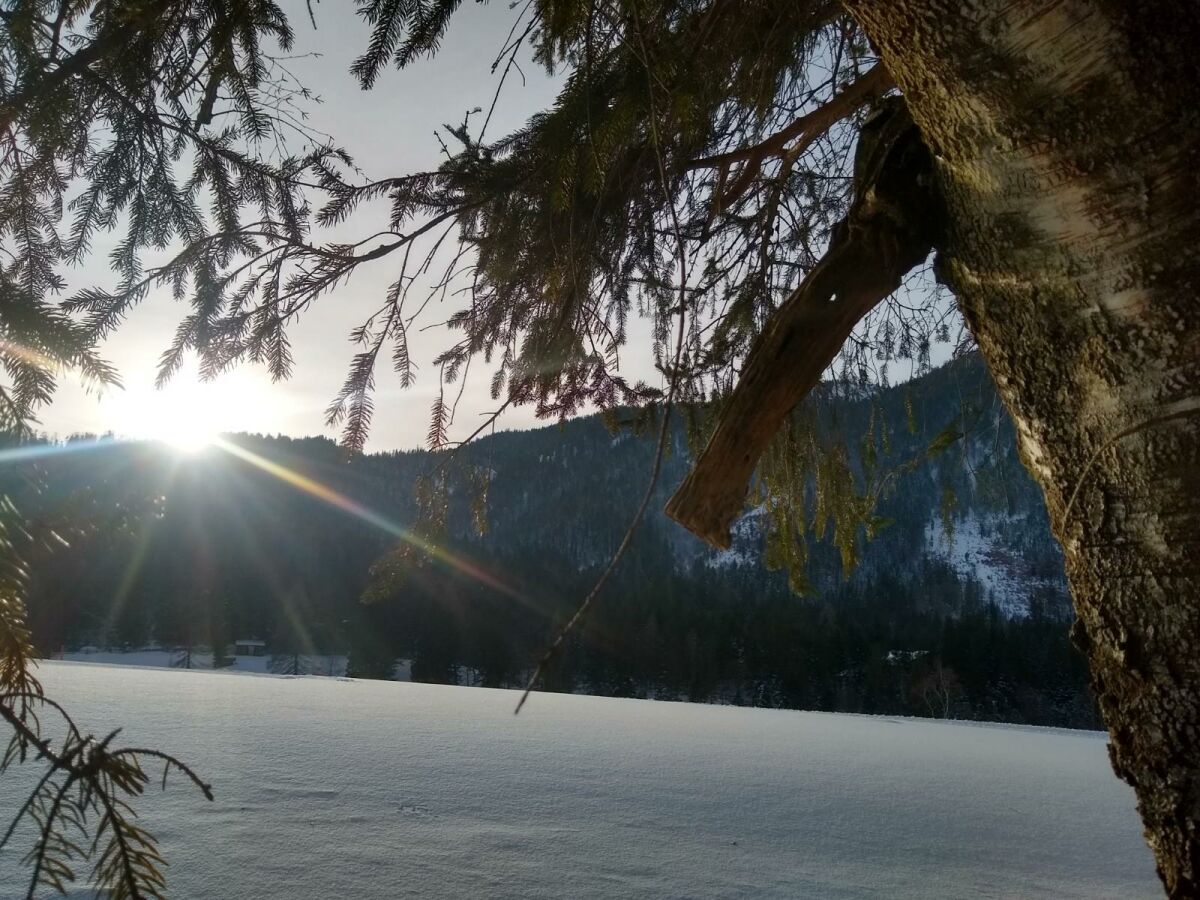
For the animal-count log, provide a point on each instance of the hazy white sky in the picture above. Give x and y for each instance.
(389, 131)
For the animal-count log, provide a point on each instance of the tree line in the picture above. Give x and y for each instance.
(202, 550)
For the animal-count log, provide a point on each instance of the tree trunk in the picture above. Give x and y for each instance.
(892, 224)
(804, 335)
(1067, 141)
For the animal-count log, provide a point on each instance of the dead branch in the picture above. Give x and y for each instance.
(890, 229)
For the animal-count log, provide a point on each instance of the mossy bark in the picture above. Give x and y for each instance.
(1066, 137)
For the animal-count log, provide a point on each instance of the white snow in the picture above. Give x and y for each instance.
(338, 788)
(895, 656)
(975, 550)
(745, 546)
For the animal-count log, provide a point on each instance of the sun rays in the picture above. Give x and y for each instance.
(187, 414)
(334, 498)
(165, 469)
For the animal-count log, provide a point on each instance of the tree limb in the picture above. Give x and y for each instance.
(890, 229)
(806, 128)
(109, 42)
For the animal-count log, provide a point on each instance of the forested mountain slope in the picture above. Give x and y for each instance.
(967, 523)
(956, 607)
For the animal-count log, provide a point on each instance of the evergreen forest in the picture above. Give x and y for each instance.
(293, 541)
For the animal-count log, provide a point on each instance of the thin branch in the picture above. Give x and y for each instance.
(873, 84)
(111, 40)
(664, 428)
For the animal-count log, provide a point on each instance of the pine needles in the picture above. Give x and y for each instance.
(184, 132)
(81, 811)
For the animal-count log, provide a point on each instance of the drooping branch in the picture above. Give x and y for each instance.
(891, 227)
(809, 126)
(109, 42)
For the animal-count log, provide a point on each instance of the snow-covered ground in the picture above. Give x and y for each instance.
(338, 788)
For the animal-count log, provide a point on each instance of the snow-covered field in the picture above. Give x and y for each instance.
(337, 788)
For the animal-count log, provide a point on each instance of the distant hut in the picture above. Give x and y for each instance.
(249, 647)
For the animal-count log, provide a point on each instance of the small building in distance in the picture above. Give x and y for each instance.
(249, 647)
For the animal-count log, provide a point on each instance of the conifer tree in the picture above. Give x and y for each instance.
(696, 168)
(219, 641)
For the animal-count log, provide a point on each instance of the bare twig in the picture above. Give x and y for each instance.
(664, 428)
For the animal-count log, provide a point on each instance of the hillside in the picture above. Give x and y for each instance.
(957, 607)
(968, 520)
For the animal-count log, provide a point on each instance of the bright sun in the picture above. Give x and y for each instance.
(188, 414)
(189, 435)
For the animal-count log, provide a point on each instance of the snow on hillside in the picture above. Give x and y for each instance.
(745, 547)
(339, 788)
(975, 549)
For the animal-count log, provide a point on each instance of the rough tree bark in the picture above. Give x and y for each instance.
(1066, 145)
(1067, 142)
(1066, 139)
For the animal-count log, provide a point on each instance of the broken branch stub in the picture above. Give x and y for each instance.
(890, 229)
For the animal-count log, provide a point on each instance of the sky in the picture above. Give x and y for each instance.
(389, 131)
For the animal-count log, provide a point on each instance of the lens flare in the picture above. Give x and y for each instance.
(37, 451)
(341, 501)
